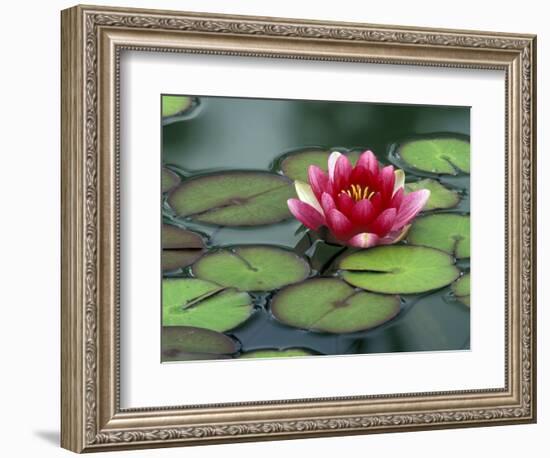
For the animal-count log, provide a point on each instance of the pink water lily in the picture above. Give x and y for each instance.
(362, 206)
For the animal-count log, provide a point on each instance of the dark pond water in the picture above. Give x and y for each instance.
(235, 134)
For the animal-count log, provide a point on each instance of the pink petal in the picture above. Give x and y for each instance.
(387, 180)
(361, 176)
(306, 214)
(384, 222)
(332, 159)
(411, 205)
(339, 225)
(369, 161)
(364, 240)
(397, 198)
(327, 202)
(345, 203)
(318, 180)
(363, 212)
(342, 173)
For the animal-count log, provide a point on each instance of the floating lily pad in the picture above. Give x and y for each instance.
(330, 305)
(203, 304)
(461, 289)
(175, 104)
(234, 198)
(252, 268)
(440, 196)
(181, 247)
(174, 237)
(169, 180)
(295, 165)
(438, 155)
(178, 259)
(399, 269)
(277, 353)
(449, 232)
(180, 343)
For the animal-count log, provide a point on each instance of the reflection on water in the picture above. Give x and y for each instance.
(237, 133)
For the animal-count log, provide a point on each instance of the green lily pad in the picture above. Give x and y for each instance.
(274, 353)
(174, 237)
(181, 343)
(295, 165)
(203, 304)
(330, 305)
(461, 289)
(181, 247)
(440, 196)
(449, 232)
(174, 104)
(178, 259)
(169, 180)
(399, 269)
(438, 155)
(252, 268)
(234, 198)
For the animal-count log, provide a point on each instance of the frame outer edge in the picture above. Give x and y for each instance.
(72, 228)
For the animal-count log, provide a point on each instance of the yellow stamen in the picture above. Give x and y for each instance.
(356, 192)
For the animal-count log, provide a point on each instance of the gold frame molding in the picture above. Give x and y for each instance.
(92, 40)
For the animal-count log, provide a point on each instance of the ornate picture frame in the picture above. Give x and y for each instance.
(93, 39)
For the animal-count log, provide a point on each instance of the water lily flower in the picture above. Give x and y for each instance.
(362, 206)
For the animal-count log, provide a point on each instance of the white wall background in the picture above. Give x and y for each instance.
(29, 245)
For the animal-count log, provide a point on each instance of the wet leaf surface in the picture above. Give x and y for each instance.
(449, 232)
(234, 198)
(203, 304)
(252, 268)
(331, 305)
(399, 269)
(438, 155)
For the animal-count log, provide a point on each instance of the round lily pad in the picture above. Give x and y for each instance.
(169, 180)
(181, 247)
(178, 259)
(274, 353)
(252, 268)
(461, 289)
(399, 269)
(175, 104)
(295, 165)
(440, 196)
(203, 304)
(449, 232)
(174, 237)
(180, 343)
(330, 305)
(234, 198)
(437, 155)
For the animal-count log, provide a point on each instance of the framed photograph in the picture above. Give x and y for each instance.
(277, 228)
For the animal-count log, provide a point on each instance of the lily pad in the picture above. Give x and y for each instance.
(174, 237)
(234, 198)
(274, 353)
(178, 259)
(440, 196)
(399, 269)
(295, 165)
(461, 289)
(175, 104)
(169, 180)
(449, 232)
(180, 343)
(330, 305)
(437, 155)
(203, 304)
(252, 268)
(181, 247)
